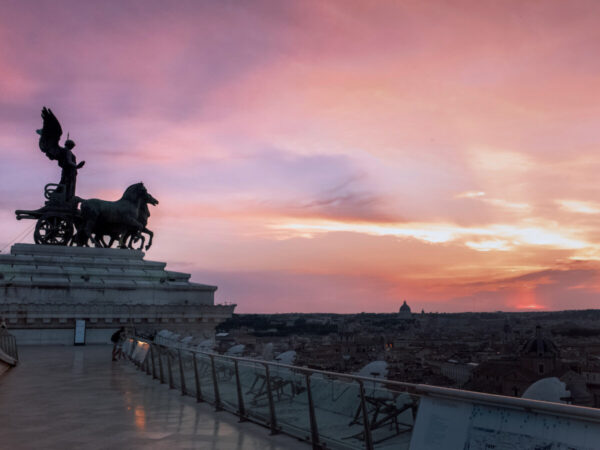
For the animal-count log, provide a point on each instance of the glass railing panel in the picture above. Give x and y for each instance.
(140, 350)
(8, 344)
(392, 412)
(205, 377)
(187, 361)
(174, 361)
(127, 345)
(225, 371)
(254, 391)
(338, 411)
(290, 399)
(165, 360)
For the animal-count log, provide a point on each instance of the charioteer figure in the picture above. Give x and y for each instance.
(50, 135)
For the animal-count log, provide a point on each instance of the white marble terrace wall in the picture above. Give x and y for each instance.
(44, 289)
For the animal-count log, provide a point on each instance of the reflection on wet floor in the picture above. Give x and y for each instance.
(75, 397)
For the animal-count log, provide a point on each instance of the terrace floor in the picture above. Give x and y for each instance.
(76, 397)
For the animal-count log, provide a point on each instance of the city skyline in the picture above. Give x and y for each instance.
(327, 156)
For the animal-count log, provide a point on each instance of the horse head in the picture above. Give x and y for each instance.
(137, 192)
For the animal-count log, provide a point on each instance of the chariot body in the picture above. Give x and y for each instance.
(57, 220)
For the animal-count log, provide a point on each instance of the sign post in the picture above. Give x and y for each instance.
(79, 332)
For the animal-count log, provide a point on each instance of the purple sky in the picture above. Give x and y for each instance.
(326, 156)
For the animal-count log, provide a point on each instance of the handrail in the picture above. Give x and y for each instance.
(401, 384)
(374, 406)
(8, 347)
(424, 389)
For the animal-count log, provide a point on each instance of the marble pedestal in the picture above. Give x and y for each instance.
(45, 289)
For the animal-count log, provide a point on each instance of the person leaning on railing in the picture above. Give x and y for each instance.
(117, 339)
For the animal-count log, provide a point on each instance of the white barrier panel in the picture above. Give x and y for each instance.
(444, 423)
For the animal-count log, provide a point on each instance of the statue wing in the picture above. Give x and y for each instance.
(50, 134)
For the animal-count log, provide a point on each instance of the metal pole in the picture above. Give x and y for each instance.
(152, 357)
(160, 366)
(171, 384)
(147, 362)
(271, 403)
(314, 430)
(218, 406)
(241, 408)
(197, 378)
(16, 349)
(181, 374)
(365, 414)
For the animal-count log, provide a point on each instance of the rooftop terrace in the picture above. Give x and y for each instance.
(75, 397)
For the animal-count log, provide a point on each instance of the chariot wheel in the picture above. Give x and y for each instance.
(53, 230)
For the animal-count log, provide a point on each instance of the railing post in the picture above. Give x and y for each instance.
(241, 408)
(147, 362)
(218, 406)
(197, 378)
(171, 384)
(365, 414)
(152, 358)
(314, 430)
(271, 403)
(160, 366)
(181, 374)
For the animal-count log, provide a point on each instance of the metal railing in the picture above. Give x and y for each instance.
(326, 409)
(8, 345)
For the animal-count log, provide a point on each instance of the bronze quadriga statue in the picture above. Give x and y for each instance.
(66, 219)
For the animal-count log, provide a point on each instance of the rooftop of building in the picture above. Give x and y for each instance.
(75, 397)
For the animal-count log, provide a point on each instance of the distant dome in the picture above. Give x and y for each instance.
(405, 307)
(539, 346)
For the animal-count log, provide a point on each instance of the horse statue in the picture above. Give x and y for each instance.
(132, 237)
(125, 219)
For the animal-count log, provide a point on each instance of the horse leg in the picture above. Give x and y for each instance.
(150, 234)
(131, 239)
(102, 241)
(98, 242)
(84, 234)
(112, 241)
(122, 239)
(143, 239)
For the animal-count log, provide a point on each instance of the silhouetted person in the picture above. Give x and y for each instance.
(117, 338)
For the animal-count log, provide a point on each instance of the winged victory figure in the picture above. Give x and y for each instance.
(50, 135)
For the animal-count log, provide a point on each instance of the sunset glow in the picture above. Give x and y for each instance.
(326, 156)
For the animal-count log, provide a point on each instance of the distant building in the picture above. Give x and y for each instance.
(540, 355)
(405, 311)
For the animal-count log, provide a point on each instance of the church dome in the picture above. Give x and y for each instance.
(539, 346)
(405, 308)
